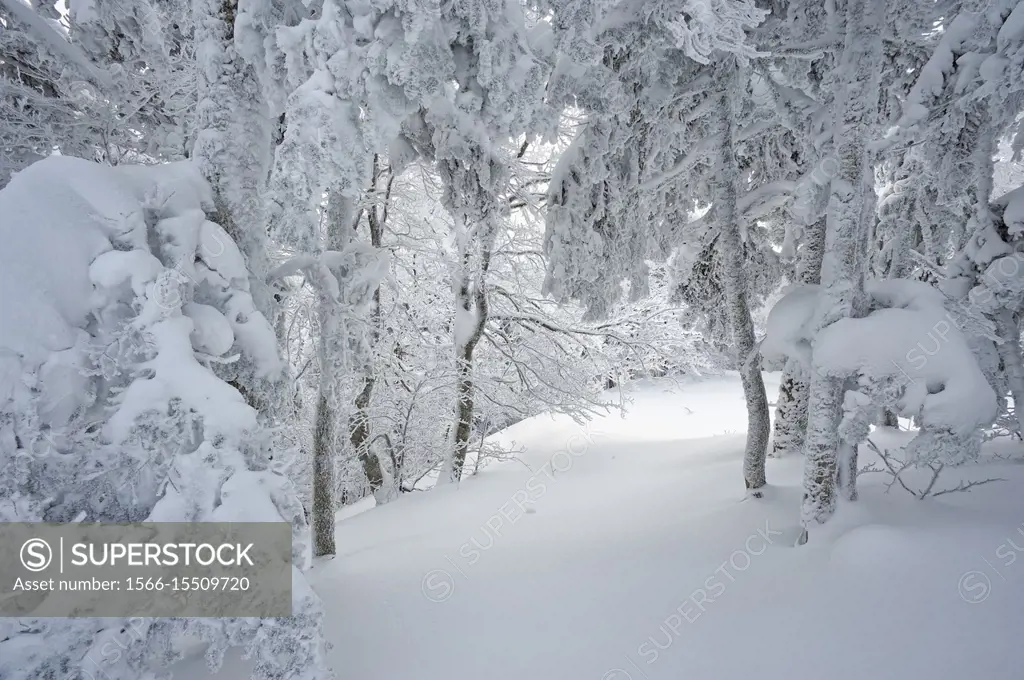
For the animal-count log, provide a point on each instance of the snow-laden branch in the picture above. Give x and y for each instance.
(708, 26)
(701, 148)
(764, 194)
(42, 30)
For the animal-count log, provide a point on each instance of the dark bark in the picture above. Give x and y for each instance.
(791, 406)
(790, 412)
(339, 212)
(359, 435)
(323, 478)
(359, 423)
(472, 299)
(847, 471)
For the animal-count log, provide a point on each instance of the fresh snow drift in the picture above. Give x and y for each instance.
(625, 552)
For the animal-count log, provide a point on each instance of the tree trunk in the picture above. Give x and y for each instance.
(847, 472)
(731, 252)
(791, 406)
(471, 199)
(472, 301)
(333, 350)
(232, 150)
(790, 412)
(323, 474)
(383, 485)
(359, 435)
(813, 253)
(463, 413)
(842, 275)
(985, 230)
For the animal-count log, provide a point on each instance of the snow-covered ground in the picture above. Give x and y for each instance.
(625, 550)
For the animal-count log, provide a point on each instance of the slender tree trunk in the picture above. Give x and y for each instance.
(323, 475)
(324, 488)
(470, 198)
(984, 229)
(731, 252)
(333, 352)
(791, 406)
(471, 302)
(463, 412)
(790, 412)
(847, 473)
(842, 275)
(813, 253)
(381, 483)
(359, 435)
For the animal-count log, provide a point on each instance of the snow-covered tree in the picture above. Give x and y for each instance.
(936, 380)
(798, 78)
(659, 143)
(847, 229)
(125, 419)
(969, 84)
(48, 91)
(319, 171)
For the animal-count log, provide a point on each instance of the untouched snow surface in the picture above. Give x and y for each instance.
(628, 554)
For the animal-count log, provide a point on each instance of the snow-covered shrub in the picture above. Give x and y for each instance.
(907, 354)
(121, 299)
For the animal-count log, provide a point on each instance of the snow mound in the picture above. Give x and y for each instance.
(50, 235)
(917, 346)
(58, 215)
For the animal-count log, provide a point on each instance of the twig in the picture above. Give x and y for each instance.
(967, 486)
(888, 460)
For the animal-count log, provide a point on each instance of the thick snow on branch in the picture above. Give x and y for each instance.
(136, 238)
(790, 328)
(360, 266)
(910, 341)
(42, 30)
(1012, 205)
(121, 303)
(936, 71)
(709, 26)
